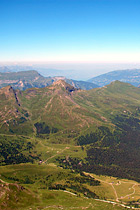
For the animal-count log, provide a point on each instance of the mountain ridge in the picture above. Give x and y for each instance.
(63, 100)
(23, 80)
(131, 76)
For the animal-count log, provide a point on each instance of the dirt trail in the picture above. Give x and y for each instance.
(111, 184)
(55, 155)
(115, 192)
(117, 199)
(131, 193)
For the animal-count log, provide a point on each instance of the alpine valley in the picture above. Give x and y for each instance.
(62, 147)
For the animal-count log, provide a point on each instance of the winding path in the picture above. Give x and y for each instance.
(55, 155)
(115, 192)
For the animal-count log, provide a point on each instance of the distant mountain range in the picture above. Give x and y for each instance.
(14, 68)
(46, 71)
(23, 79)
(27, 79)
(129, 76)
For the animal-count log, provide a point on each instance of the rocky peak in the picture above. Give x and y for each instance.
(63, 84)
(9, 93)
(7, 90)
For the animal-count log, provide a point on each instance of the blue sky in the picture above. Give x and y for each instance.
(89, 31)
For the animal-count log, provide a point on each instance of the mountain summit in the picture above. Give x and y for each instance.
(63, 84)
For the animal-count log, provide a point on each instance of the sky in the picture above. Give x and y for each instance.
(70, 31)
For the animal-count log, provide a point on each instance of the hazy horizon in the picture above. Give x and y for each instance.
(78, 71)
(83, 36)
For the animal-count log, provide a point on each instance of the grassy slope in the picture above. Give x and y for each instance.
(55, 106)
(38, 196)
(111, 99)
(33, 178)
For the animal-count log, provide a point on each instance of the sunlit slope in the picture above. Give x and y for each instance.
(116, 98)
(62, 107)
(30, 186)
(116, 106)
